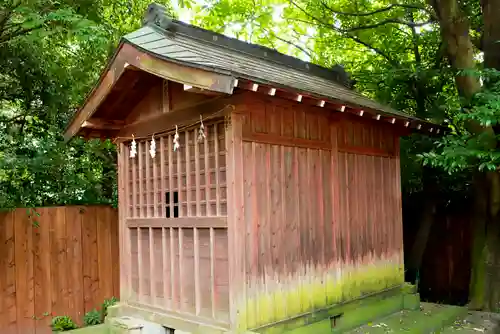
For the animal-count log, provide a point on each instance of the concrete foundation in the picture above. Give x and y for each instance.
(123, 318)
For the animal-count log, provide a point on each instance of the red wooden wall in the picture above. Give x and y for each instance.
(319, 203)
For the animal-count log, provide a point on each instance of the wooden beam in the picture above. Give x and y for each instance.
(180, 117)
(103, 124)
(180, 222)
(171, 71)
(365, 151)
(198, 90)
(128, 56)
(98, 94)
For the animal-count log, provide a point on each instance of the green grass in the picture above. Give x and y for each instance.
(430, 318)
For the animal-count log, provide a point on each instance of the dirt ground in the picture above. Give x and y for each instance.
(434, 318)
(476, 322)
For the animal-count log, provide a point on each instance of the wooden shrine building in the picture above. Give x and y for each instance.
(256, 191)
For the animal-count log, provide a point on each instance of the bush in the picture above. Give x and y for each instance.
(107, 303)
(62, 323)
(92, 318)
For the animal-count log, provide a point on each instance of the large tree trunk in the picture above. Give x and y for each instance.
(484, 291)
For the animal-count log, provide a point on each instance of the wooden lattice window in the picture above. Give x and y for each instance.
(172, 212)
(188, 182)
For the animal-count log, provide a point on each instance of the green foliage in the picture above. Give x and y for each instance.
(92, 318)
(464, 148)
(62, 324)
(51, 55)
(107, 303)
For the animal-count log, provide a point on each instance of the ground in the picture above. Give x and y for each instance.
(430, 318)
(434, 318)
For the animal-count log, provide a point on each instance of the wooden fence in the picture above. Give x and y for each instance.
(57, 261)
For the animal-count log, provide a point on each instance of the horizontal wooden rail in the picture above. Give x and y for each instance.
(273, 139)
(365, 151)
(181, 222)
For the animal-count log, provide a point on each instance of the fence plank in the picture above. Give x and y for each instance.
(55, 269)
(9, 297)
(23, 241)
(43, 299)
(105, 261)
(112, 216)
(75, 279)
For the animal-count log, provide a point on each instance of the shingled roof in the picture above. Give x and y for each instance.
(232, 64)
(176, 41)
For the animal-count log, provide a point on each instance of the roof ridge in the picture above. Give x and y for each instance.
(157, 16)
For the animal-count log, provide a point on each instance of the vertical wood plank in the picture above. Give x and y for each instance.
(163, 189)
(399, 202)
(182, 213)
(10, 305)
(284, 226)
(75, 254)
(141, 180)
(147, 180)
(124, 232)
(173, 271)
(156, 181)
(115, 234)
(212, 272)
(135, 202)
(235, 217)
(59, 261)
(105, 262)
(251, 223)
(181, 281)
(347, 223)
(383, 213)
(197, 174)
(197, 292)
(208, 183)
(90, 265)
(320, 229)
(23, 242)
(189, 212)
(122, 212)
(41, 241)
(171, 179)
(140, 265)
(217, 171)
(166, 277)
(152, 267)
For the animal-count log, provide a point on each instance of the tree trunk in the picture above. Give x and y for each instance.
(484, 291)
(459, 47)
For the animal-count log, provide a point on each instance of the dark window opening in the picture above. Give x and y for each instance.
(335, 320)
(172, 212)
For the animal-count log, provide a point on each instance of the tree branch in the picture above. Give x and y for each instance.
(307, 52)
(377, 11)
(17, 33)
(346, 34)
(388, 21)
(411, 24)
(8, 10)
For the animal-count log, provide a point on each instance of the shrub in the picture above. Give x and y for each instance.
(62, 323)
(107, 303)
(92, 318)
